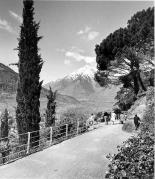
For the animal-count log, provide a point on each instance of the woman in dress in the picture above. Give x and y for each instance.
(113, 117)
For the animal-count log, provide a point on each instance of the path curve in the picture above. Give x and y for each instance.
(82, 157)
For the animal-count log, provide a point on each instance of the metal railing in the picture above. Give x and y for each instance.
(21, 145)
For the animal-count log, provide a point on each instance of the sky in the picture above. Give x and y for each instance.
(70, 31)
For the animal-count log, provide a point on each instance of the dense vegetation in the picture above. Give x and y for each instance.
(126, 57)
(4, 132)
(139, 31)
(30, 64)
(135, 158)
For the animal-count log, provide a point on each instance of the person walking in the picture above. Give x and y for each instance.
(106, 117)
(136, 121)
(113, 117)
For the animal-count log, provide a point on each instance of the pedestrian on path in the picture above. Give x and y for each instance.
(136, 121)
(106, 117)
(90, 121)
(113, 117)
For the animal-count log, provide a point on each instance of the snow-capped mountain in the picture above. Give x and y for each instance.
(79, 84)
(82, 86)
(86, 72)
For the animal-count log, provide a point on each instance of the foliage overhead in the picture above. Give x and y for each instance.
(123, 44)
(139, 31)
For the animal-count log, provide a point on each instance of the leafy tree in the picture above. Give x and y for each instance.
(139, 35)
(4, 131)
(51, 107)
(29, 86)
(129, 60)
(125, 98)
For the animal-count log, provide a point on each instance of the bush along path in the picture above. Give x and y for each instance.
(135, 157)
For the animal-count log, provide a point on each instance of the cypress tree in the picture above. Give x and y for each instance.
(29, 86)
(51, 107)
(4, 132)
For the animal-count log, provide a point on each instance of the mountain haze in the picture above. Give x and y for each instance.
(8, 79)
(8, 87)
(78, 89)
(82, 86)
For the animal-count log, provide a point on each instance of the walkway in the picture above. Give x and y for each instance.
(82, 157)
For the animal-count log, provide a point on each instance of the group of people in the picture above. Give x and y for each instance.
(106, 117)
(111, 116)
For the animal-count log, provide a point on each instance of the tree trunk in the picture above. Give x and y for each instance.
(140, 81)
(135, 80)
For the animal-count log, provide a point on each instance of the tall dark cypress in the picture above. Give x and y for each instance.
(51, 108)
(4, 132)
(29, 86)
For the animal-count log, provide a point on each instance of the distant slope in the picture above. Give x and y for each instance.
(75, 90)
(8, 87)
(63, 102)
(8, 79)
(81, 85)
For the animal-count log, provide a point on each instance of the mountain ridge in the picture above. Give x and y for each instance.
(8, 87)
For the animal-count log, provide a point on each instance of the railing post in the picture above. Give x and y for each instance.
(66, 130)
(77, 131)
(28, 142)
(51, 135)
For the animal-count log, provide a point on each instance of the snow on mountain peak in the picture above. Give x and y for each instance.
(86, 71)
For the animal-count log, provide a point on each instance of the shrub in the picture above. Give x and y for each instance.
(125, 98)
(128, 126)
(148, 118)
(135, 158)
(73, 115)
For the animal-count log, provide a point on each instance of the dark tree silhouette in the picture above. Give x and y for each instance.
(29, 86)
(51, 107)
(4, 131)
(138, 34)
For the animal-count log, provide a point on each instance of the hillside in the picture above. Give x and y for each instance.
(8, 87)
(63, 101)
(81, 85)
(8, 79)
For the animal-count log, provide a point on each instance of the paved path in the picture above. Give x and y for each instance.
(82, 157)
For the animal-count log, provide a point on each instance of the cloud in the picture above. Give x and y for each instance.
(92, 35)
(78, 57)
(76, 54)
(6, 26)
(16, 16)
(76, 49)
(88, 34)
(86, 30)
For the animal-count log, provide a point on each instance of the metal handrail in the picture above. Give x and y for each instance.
(44, 138)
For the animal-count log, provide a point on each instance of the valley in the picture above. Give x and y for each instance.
(77, 90)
